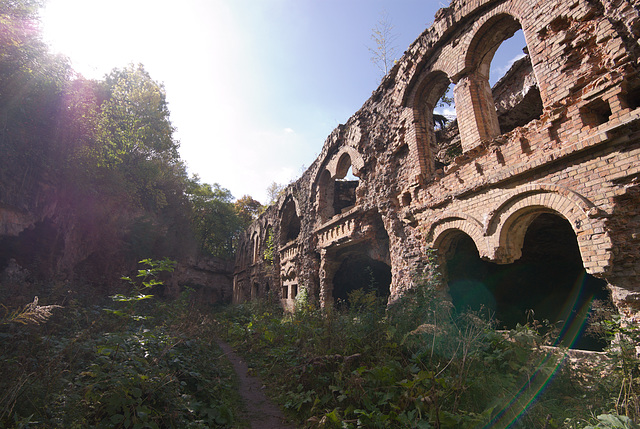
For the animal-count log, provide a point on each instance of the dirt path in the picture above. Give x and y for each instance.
(261, 412)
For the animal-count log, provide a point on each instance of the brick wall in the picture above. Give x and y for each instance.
(579, 159)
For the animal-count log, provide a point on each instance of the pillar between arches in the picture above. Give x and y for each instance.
(477, 117)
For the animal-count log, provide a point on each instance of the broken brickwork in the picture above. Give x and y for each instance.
(556, 142)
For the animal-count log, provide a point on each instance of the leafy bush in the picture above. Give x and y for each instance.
(415, 364)
(155, 367)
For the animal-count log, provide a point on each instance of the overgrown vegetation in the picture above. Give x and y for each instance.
(142, 364)
(419, 364)
(99, 158)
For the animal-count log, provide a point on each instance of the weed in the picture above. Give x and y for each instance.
(415, 364)
(89, 368)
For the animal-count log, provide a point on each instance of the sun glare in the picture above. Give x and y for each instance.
(97, 36)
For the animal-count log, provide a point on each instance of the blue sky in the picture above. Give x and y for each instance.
(254, 86)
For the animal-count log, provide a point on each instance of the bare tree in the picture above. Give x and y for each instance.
(383, 55)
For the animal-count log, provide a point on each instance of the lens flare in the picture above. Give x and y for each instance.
(575, 317)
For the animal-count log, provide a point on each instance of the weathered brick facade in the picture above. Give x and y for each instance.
(571, 149)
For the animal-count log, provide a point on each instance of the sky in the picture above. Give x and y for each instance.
(254, 86)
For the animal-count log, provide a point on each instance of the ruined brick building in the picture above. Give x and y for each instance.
(530, 198)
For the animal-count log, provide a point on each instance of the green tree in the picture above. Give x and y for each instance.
(135, 141)
(135, 122)
(31, 84)
(274, 190)
(215, 221)
(248, 210)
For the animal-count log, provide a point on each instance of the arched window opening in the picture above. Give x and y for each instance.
(437, 135)
(514, 87)
(515, 99)
(289, 222)
(268, 252)
(325, 196)
(337, 194)
(344, 193)
(255, 243)
(446, 136)
(548, 282)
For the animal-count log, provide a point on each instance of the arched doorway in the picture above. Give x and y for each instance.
(548, 282)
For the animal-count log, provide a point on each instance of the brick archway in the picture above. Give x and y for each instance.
(447, 227)
(477, 116)
(423, 99)
(337, 165)
(509, 222)
(325, 182)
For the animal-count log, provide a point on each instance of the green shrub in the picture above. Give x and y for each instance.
(415, 364)
(90, 368)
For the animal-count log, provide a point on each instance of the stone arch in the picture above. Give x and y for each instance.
(570, 198)
(341, 161)
(255, 246)
(449, 225)
(509, 222)
(486, 39)
(268, 240)
(325, 196)
(289, 282)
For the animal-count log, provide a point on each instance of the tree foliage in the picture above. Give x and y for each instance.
(134, 122)
(248, 210)
(214, 218)
(103, 152)
(274, 191)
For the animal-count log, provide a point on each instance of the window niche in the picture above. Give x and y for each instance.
(595, 113)
(337, 194)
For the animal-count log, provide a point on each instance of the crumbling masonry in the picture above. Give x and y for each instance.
(530, 198)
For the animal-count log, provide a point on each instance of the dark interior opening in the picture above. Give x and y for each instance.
(595, 113)
(290, 223)
(344, 195)
(36, 249)
(527, 110)
(358, 271)
(633, 98)
(549, 279)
